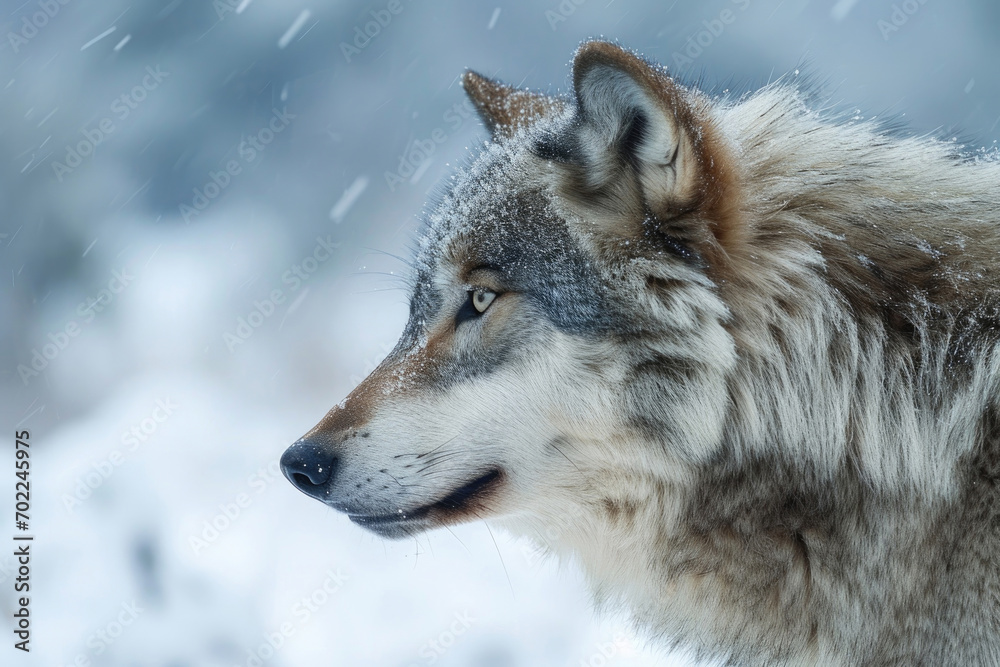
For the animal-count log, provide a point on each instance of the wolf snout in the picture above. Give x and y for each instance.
(310, 467)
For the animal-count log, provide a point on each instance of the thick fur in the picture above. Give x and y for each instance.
(742, 366)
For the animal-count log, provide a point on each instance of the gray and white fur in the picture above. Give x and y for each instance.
(738, 357)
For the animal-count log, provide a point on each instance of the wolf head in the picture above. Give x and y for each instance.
(738, 357)
(566, 348)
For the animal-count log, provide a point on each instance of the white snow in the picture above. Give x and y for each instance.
(294, 29)
(346, 201)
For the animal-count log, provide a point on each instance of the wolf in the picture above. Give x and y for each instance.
(738, 358)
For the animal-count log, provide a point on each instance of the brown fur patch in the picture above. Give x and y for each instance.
(663, 287)
(622, 512)
(393, 376)
(707, 211)
(721, 203)
(505, 109)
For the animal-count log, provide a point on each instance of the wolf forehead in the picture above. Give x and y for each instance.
(502, 215)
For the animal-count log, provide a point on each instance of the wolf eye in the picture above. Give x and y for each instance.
(482, 298)
(477, 303)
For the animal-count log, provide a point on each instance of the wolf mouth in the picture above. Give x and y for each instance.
(455, 503)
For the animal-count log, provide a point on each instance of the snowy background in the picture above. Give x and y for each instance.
(165, 535)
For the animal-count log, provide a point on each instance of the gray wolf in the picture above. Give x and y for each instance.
(736, 357)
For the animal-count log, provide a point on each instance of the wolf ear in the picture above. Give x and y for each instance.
(505, 109)
(633, 117)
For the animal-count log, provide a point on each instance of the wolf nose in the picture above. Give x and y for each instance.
(309, 466)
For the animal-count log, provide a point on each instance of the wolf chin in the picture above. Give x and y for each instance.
(736, 358)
